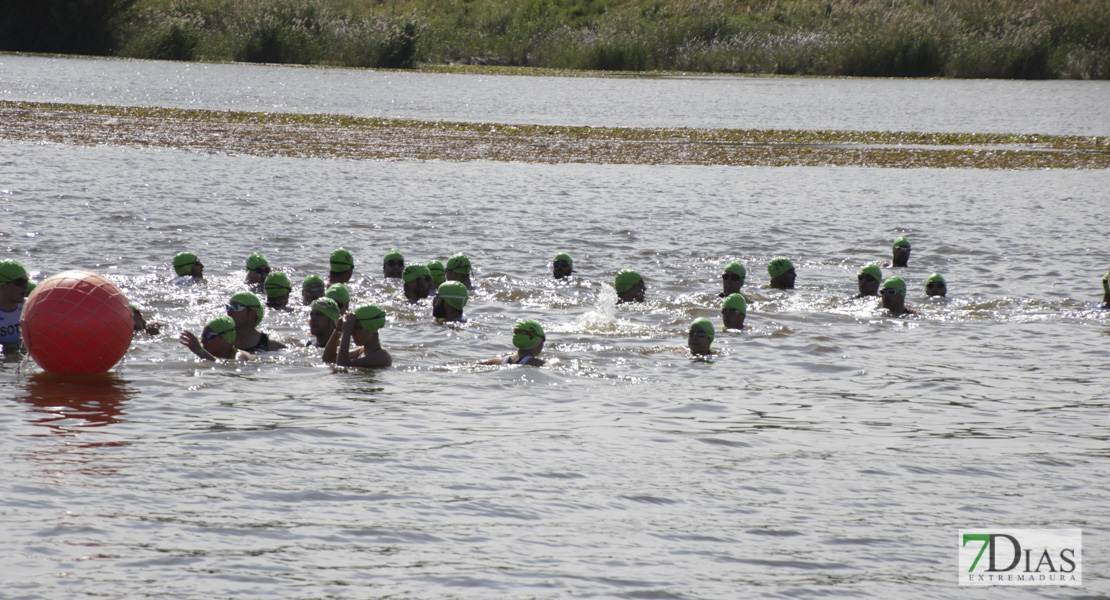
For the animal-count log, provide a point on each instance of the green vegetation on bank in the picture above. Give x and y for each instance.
(1025, 39)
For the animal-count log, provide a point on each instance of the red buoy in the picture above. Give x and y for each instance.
(76, 323)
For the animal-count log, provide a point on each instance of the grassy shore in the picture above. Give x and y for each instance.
(1022, 39)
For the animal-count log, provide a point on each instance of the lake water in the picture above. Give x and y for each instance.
(826, 450)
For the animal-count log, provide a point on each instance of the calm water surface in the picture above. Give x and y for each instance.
(826, 450)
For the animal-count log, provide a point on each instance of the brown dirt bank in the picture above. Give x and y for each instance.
(358, 138)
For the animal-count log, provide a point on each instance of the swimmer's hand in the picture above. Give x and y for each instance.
(191, 342)
(348, 324)
(153, 328)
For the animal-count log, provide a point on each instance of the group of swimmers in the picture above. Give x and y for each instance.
(334, 326)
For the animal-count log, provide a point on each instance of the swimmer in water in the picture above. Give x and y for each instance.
(448, 304)
(418, 283)
(869, 278)
(528, 338)
(13, 286)
(734, 311)
(140, 324)
(935, 285)
(362, 326)
(782, 273)
(630, 286)
(393, 264)
(562, 267)
(900, 253)
(732, 279)
(893, 294)
(257, 269)
(1105, 291)
(246, 312)
(341, 295)
(700, 338)
(439, 274)
(217, 341)
(323, 320)
(458, 269)
(189, 269)
(278, 288)
(342, 267)
(312, 288)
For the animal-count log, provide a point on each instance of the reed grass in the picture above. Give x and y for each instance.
(1025, 39)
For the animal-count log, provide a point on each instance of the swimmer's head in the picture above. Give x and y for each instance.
(736, 302)
(11, 271)
(394, 255)
(454, 293)
(459, 263)
(339, 293)
(736, 268)
(873, 270)
(327, 307)
(902, 242)
(341, 261)
(705, 325)
(247, 301)
(414, 272)
(779, 266)
(625, 280)
(277, 285)
(393, 263)
(255, 261)
(438, 273)
(562, 266)
(313, 281)
(224, 327)
(935, 285)
(183, 262)
(527, 333)
(894, 283)
(370, 317)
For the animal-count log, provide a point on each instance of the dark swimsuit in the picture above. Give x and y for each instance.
(263, 344)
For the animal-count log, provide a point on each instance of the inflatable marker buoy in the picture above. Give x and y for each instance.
(76, 323)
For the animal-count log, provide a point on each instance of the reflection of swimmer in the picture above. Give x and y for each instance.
(900, 252)
(217, 341)
(246, 311)
(341, 295)
(342, 267)
(700, 338)
(869, 278)
(140, 323)
(528, 338)
(362, 326)
(449, 302)
(893, 297)
(782, 273)
(393, 264)
(418, 283)
(13, 286)
(277, 287)
(562, 267)
(322, 321)
(458, 269)
(189, 269)
(732, 279)
(734, 311)
(257, 269)
(936, 286)
(312, 288)
(439, 273)
(630, 286)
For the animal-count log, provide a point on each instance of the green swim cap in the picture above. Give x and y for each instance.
(328, 307)
(256, 260)
(183, 262)
(566, 257)
(527, 333)
(342, 261)
(459, 263)
(277, 285)
(436, 269)
(738, 302)
(134, 308)
(339, 293)
(936, 277)
(414, 272)
(778, 266)
(311, 279)
(10, 270)
(453, 293)
(249, 300)
(625, 280)
(735, 267)
(370, 317)
(895, 283)
(393, 255)
(706, 325)
(224, 327)
(873, 270)
(902, 242)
